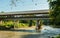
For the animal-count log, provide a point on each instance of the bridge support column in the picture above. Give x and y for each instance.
(30, 23)
(1, 22)
(16, 23)
(38, 25)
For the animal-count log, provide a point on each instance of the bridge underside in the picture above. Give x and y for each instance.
(26, 18)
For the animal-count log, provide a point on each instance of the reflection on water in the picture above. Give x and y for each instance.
(46, 32)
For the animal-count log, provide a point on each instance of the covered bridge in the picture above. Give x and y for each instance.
(26, 15)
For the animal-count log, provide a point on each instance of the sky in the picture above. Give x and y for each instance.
(23, 5)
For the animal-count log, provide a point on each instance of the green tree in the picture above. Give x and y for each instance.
(2, 11)
(55, 11)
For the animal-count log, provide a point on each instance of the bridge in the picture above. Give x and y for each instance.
(26, 15)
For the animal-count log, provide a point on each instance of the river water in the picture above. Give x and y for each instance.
(45, 32)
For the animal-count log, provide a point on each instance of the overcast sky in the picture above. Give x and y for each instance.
(25, 5)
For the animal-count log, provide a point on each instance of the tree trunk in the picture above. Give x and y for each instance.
(30, 23)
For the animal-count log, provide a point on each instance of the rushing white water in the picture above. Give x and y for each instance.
(50, 31)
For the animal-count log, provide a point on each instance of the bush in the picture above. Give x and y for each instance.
(58, 36)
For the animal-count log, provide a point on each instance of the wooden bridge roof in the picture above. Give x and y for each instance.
(26, 12)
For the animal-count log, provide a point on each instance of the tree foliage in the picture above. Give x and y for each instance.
(55, 11)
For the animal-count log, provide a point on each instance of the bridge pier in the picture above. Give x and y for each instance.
(38, 25)
(30, 23)
(16, 23)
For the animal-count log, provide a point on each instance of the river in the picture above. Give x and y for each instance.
(46, 32)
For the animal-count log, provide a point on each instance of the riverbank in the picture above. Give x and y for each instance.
(26, 28)
(30, 32)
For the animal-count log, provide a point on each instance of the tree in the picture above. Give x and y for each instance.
(55, 11)
(30, 23)
(2, 11)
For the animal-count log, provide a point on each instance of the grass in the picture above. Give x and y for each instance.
(16, 24)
